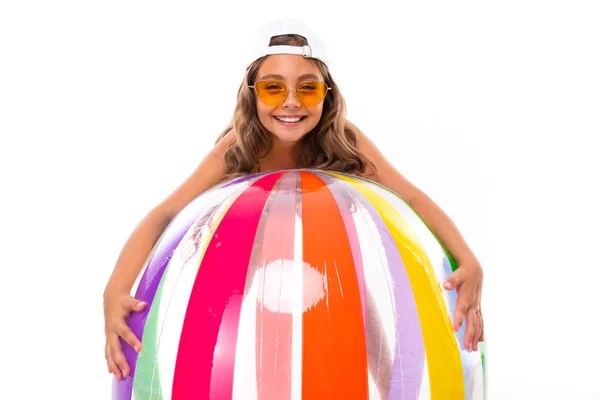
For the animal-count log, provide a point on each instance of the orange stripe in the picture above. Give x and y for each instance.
(334, 352)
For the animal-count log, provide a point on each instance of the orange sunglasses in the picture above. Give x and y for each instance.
(273, 93)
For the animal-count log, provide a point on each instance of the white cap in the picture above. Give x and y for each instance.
(262, 38)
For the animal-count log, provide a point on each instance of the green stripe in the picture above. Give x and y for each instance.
(147, 376)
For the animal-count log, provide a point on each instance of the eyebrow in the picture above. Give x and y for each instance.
(280, 77)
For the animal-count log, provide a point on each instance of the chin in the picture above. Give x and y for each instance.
(292, 134)
(289, 137)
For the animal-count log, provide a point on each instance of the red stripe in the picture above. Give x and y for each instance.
(206, 355)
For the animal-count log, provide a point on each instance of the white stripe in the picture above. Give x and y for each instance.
(425, 391)
(244, 372)
(381, 319)
(373, 388)
(178, 284)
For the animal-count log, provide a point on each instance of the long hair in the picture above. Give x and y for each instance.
(331, 145)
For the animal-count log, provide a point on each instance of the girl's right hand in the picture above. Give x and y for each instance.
(117, 308)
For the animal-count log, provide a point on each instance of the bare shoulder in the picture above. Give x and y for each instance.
(207, 173)
(224, 144)
(385, 173)
(369, 149)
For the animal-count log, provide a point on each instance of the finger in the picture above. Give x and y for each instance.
(454, 280)
(470, 330)
(477, 333)
(459, 318)
(132, 304)
(128, 336)
(113, 368)
(110, 362)
(482, 337)
(118, 355)
(459, 314)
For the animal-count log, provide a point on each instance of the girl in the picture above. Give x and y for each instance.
(289, 114)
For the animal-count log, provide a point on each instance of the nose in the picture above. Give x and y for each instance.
(291, 100)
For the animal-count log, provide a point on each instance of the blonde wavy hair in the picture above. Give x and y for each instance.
(331, 145)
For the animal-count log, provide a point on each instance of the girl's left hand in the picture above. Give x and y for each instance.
(468, 281)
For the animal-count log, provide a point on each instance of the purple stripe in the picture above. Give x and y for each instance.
(409, 354)
(146, 291)
(244, 178)
(151, 277)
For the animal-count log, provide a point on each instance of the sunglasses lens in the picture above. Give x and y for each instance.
(273, 93)
(311, 93)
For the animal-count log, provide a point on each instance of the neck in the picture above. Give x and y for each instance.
(280, 157)
(283, 148)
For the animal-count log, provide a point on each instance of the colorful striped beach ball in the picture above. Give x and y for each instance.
(299, 284)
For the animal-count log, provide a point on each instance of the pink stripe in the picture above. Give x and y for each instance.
(206, 355)
(274, 295)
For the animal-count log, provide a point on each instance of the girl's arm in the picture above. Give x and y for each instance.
(141, 241)
(118, 303)
(388, 176)
(468, 278)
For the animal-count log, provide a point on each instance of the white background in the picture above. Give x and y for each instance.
(492, 109)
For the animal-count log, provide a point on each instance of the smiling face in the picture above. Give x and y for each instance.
(290, 120)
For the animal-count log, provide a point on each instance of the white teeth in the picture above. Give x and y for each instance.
(289, 119)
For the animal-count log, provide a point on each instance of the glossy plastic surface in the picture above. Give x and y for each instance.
(298, 284)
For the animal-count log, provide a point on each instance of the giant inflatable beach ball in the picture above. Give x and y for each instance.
(299, 284)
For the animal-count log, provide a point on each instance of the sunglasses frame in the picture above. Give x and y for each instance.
(287, 92)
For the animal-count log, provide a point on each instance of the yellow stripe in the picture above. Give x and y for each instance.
(441, 348)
